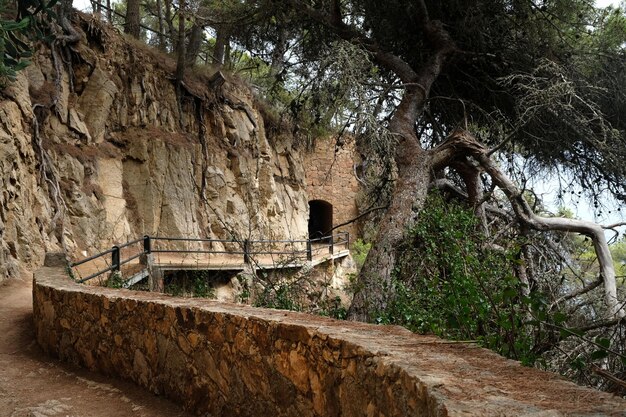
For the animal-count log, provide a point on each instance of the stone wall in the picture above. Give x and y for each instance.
(330, 177)
(234, 360)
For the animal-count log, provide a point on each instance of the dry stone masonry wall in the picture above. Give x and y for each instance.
(234, 360)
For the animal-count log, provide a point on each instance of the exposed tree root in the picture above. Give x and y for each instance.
(48, 176)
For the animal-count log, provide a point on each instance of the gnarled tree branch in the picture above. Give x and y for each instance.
(464, 145)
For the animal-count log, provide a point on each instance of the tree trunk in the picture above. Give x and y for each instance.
(180, 63)
(180, 47)
(278, 57)
(415, 167)
(193, 46)
(414, 164)
(374, 283)
(221, 40)
(133, 18)
(170, 23)
(162, 44)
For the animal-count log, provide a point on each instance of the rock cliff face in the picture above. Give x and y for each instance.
(95, 149)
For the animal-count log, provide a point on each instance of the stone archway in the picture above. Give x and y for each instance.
(331, 178)
(320, 218)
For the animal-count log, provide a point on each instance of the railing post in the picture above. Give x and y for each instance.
(331, 248)
(147, 245)
(309, 250)
(115, 258)
(246, 251)
(155, 274)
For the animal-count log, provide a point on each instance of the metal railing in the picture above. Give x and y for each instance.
(301, 249)
(116, 259)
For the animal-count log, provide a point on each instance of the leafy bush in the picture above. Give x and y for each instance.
(333, 308)
(452, 284)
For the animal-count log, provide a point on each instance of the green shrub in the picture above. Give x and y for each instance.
(450, 283)
(190, 284)
(282, 296)
(115, 280)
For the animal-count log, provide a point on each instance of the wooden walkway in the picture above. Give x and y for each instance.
(222, 262)
(163, 255)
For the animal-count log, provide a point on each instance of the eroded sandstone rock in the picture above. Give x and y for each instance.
(115, 163)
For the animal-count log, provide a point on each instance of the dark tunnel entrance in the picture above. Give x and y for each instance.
(320, 218)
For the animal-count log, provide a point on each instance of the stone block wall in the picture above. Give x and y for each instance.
(330, 177)
(234, 360)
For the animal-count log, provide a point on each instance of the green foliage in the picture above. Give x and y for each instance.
(115, 280)
(586, 263)
(297, 292)
(201, 287)
(70, 273)
(618, 252)
(288, 296)
(333, 308)
(282, 296)
(13, 49)
(190, 284)
(546, 75)
(359, 250)
(15, 35)
(174, 289)
(451, 284)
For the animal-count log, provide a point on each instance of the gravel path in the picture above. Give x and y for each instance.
(33, 384)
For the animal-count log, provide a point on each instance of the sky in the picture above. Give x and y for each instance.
(605, 3)
(83, 5)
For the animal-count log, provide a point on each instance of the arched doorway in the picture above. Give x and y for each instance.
(320, 218)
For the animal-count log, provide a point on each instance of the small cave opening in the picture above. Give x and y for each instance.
(320, 218)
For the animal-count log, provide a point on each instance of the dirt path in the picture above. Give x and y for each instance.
(33, 384)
